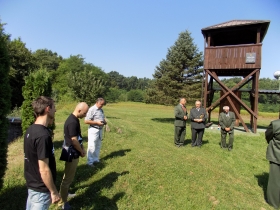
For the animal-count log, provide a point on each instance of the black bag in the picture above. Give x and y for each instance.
(66, 154)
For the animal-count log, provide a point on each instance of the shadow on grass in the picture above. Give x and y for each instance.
(13, 198)
(113, 117)
(164, 120)
(262, 182)
(116, 154)
(90, 195)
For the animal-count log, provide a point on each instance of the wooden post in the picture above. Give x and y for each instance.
(256, 89)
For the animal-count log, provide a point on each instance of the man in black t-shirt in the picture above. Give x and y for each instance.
(39, 160)
(72, 137)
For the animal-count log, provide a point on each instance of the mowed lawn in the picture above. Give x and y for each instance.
(142, 169)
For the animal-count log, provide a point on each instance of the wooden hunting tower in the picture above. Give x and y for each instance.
(233, 49)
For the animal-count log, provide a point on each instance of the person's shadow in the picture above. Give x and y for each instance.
(92, 196)
(262, 182)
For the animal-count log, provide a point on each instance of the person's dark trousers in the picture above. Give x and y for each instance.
(223, 139)
(179, 136)
(273, 186)
(197, 135)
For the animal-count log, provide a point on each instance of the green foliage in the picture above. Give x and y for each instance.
(113, 95)
(135, 95)
(46, 59)
(22, 63)
(5, 97)
(119, 81)
(74, 69)
(86, 86)
(179, 75)
(37, 84)
(15, 112)
(63, 73)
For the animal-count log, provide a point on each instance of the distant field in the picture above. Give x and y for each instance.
(141, 168)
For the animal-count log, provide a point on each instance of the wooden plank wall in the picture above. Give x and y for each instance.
(231, 57)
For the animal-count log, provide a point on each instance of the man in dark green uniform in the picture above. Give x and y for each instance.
(272, 135)
(181, 116)
(198, 117)
(226, 121)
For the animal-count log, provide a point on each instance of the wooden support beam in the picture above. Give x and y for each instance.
(237, 86)
(205, 90)
(236, 112)
(256, 97)
(214, 75)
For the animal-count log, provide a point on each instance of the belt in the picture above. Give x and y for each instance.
(96, 127)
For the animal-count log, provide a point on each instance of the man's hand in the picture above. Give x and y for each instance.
(55, 197)
(227, 129)
(100, 123)
(83, 154)
(185, 117)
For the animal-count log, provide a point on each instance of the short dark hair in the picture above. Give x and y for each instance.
(40, 104)
(101, 100)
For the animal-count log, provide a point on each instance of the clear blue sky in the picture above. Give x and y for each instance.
(132, 36)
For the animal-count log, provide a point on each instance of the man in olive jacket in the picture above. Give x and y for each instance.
(181, 116)
(198, 117)
(226, 121)
(272, 135)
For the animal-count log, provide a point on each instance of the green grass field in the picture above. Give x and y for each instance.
(141, 168)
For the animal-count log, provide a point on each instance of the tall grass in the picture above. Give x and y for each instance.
(141, 168)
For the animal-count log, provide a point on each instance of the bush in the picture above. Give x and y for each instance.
(37, 84)
(5, 100)
(135, 95)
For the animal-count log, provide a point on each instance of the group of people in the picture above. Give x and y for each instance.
(40, 164)
(198, 117)
(39, 160)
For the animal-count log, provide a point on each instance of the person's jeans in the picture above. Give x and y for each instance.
(38, 200)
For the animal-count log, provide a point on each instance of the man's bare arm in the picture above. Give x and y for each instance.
(47, 178)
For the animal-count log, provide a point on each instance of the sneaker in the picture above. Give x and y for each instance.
(71, 195)
(66, 206)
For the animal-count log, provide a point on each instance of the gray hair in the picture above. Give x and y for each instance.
(226, 107)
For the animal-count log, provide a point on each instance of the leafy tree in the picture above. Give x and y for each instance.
(63, 73)
(22, 63)
(135, 95)
(86, 86)
(37, 84)
(113, 95)
(179, 74)
(47, 59)
(116, 80)
(5, 97)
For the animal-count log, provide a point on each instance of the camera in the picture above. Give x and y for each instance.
(104, 122)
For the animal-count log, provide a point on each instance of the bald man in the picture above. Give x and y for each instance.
(72, 136)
